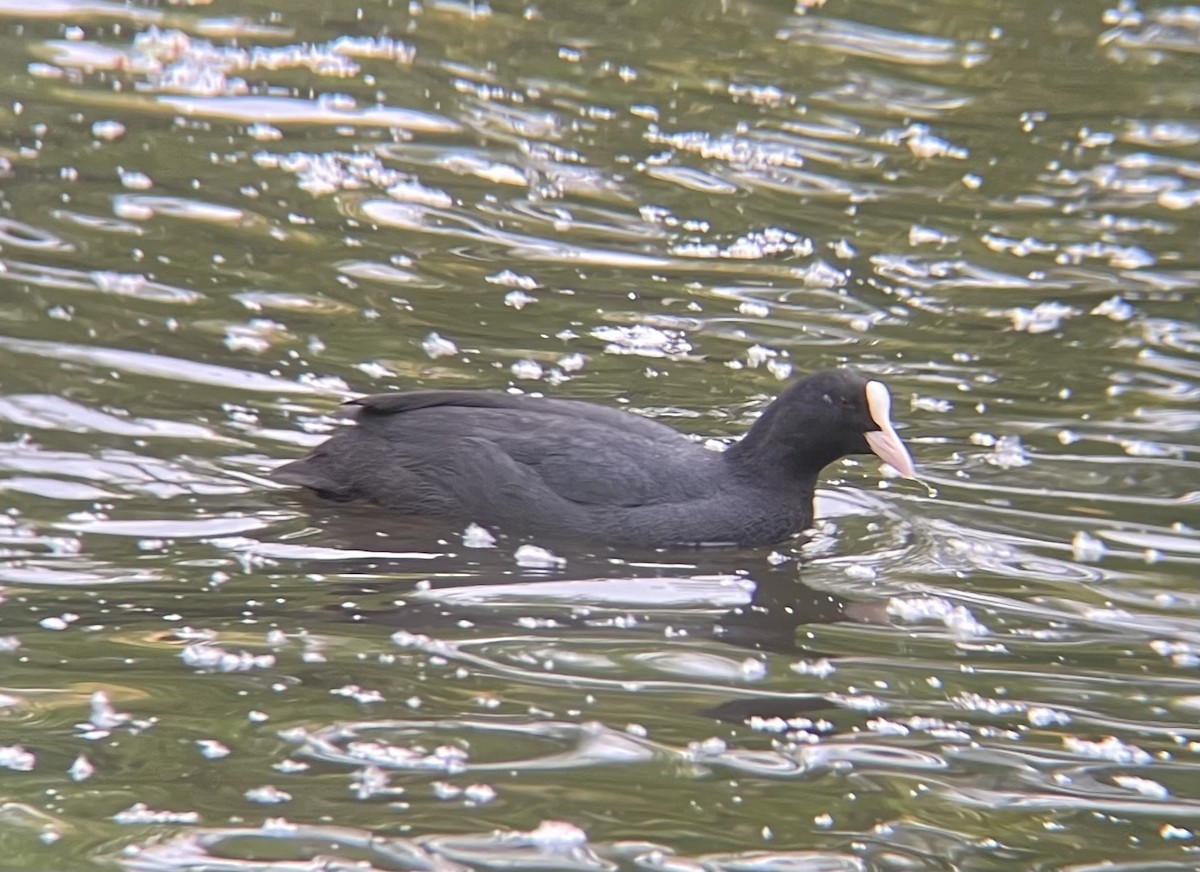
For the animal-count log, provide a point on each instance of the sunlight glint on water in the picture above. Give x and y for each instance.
(217, 221)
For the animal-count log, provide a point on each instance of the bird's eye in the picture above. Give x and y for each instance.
(847, 403)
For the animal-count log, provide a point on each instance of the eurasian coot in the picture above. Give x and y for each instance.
(564, 467)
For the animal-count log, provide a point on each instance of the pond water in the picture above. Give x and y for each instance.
(218, 220)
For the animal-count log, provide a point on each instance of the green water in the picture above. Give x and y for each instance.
(219, 220)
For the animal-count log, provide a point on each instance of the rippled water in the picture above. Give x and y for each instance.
(218, 220)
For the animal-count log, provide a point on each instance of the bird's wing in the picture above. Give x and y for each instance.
(586, 454)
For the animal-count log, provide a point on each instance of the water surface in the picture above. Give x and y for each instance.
(219, 220)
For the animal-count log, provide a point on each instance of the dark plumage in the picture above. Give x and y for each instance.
(565, 467)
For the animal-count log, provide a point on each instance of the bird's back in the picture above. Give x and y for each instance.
(557, 466)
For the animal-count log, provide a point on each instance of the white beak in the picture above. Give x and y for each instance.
(885, 442)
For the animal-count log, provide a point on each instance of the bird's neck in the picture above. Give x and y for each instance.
(781, 446)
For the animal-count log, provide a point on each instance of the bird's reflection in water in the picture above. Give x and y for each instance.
(389, 547)
(766, 607)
